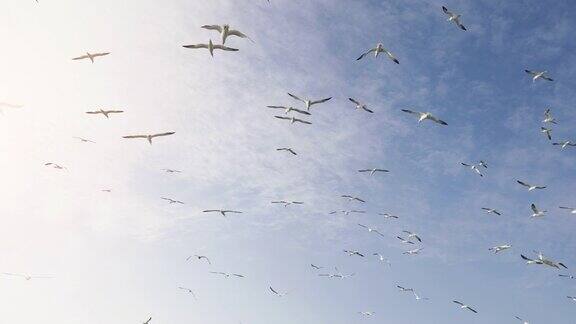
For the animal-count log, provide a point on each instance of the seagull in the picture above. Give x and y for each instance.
(566, 276)
(548, 118)
(351, 253)
(348, 212)
(404, 240)
(227, 275)
(367, 314)
(382, 259)
(565, 144)
(499, 248)
(105, 112)
(454, 17)
(360, 106)
(287, 149)
(288, 203)
(172, 201)
(211, 47)
(26, 276)
(106, 190)
(199, 257)
(315, 266)
(55, 166)
(572, 210)
(415, 251)
(492, 211)
(225, 31)
(521, 320)
(287, 110)
(149, 137)
(293, 120)
(148, 321)
(377, 50)
(83, 140)
(542, 260)
(402, 289)
(529, 186)
(90, 56)
(338, 274)
(371, 230)
(424, 116)
(546, 131)
(412, 235)
(221, 211)
(278, 293)
(537, 213)
(538, 75)
(350, 198)
(171, 171)
(309, 103)
(188, 290)
(464, 306)
(573, 298)
(372, 171)
(386, 215)
(473, 167)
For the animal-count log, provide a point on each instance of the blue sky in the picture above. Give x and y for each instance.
(120, 257)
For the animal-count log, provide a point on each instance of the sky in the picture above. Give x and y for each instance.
(119, 257)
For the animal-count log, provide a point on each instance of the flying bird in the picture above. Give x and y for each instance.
(294, 120)
(148, 321)
(573, 298)
(546, 131)
(338, 274)
(425, 116)
(225, 31)
(288, 109)
(150, 136)
(454, 18)
(372, 171)
(106, 113)
(548, 118)
(571, 209)
(403, 289)
(538, 75)
(542, 260)
(287, 203)
(492, 211)
(188, 290)
(55, 166)
(412, 235)
(382, 259)
(473, 167)
(500, 248)
(27, 276)
(227, 275)
(83, 140)
(279, 294)
(172, 201)
(211, 47)
(199, 257)
(405, 241)
(566, 276)
(353, 252)
(564, 144)
(171, 171)
(221, 211)
(377, 50)
(309, 103)
(348, 212)
(386, 215)
(367, 314)
(529, 186)
(360, 106)
(90, 56)
(371, 230)
(413, 252)
(536, 212)
(287, 149)
(464, 306)
(351, 198)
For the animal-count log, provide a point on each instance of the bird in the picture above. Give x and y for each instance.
(338, 274)
(386, 215)
(199, 257)
(521, 320)
(287, 149)
(221, 211)
(294, 120)
(351, 198)
(225, 31)
(571, 209)
(403, 289)
(564, 144)
(492, 211)
(454, 17)
(473, 167)
(90, 56)
(538, 75)
(360, 106)
(188, 290)
(542, 260)
(288, 109)
(573, 298)
(148, 321)
(412, 252)
(566, 276)
(500, 248)
(150, 136)
(353, 252)
(315, 266)
(211, 47)
(227, 275)
(404, 240)
(372, 171)
(106, 113)
(548, 118)
(367, 314)
(370, 229)
(309, 103)
(27, 276)
(83, 140)
(418, 297)
(172, 201)
(425, 116)
(279, 294)
(377, 50)
(106, 190)
(412, 235)
(529, 186)
(55, 166)
(382, 259)
(348, 212)
(464, 306)
(546, 131)
(171, 171)
(536, 212)
(287, 203)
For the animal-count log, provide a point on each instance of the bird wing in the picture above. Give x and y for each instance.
(368, 110)
(362, 225)
(293, 96)
(301, 111)
(523, 183)
(164, 134)
(439, 121)
(457, 302)
(135, 136)
(212, 27)
(81, 57)
(114, 111)
(365, 53)
(232, 211)
(392, 57)
(547, 78)
(282, 117)
(563, 265)
(530, 72)
(302, 121)
(100, 54)
(446, 11)
(238, 275)
(274, 291)
(320, 101)
(471, 309)
(277, 107)
(354, 101)
(225, 48)
(534, 209)
(238, 33)
(411, 112)
(196, 46)
(93, 112)
(210, 210)
(525, 258)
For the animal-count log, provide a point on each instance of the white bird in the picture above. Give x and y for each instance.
(464, 306)
(412, 235)
(279, 294)
(386, 215)
(529, 186)
(548, 118)
(188, 290)
(294, 120)
(367, 314)
(211, 47)
(338, 274)
(383, 259)
(90, 56)
(372, 171)
(348, 212)
(492, 211)
(351, 198)
(404, 240)
(377, 50)
(288, 203)
(199, 257)
(564, 144)
(412, 252)
(542, 260)
(288, 109)
(148, 321)
(225, 31)
(371, 230)
(521, 320)
(172, 201)
(227, 275)
(171, 171)
(221, 211)
(150, 136)
(473, 167)
(360, 106)
(83, 140)
(27, 276)
(546, 131)
(566, 276)
(424, 116)
(105, 112)
(536, 212)
(55, 166)
(403, 289)
(538, 75)
(309, 103)
(353, 252)
(454, 17)
(287, 149)
(500, 248)
(571, 209)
